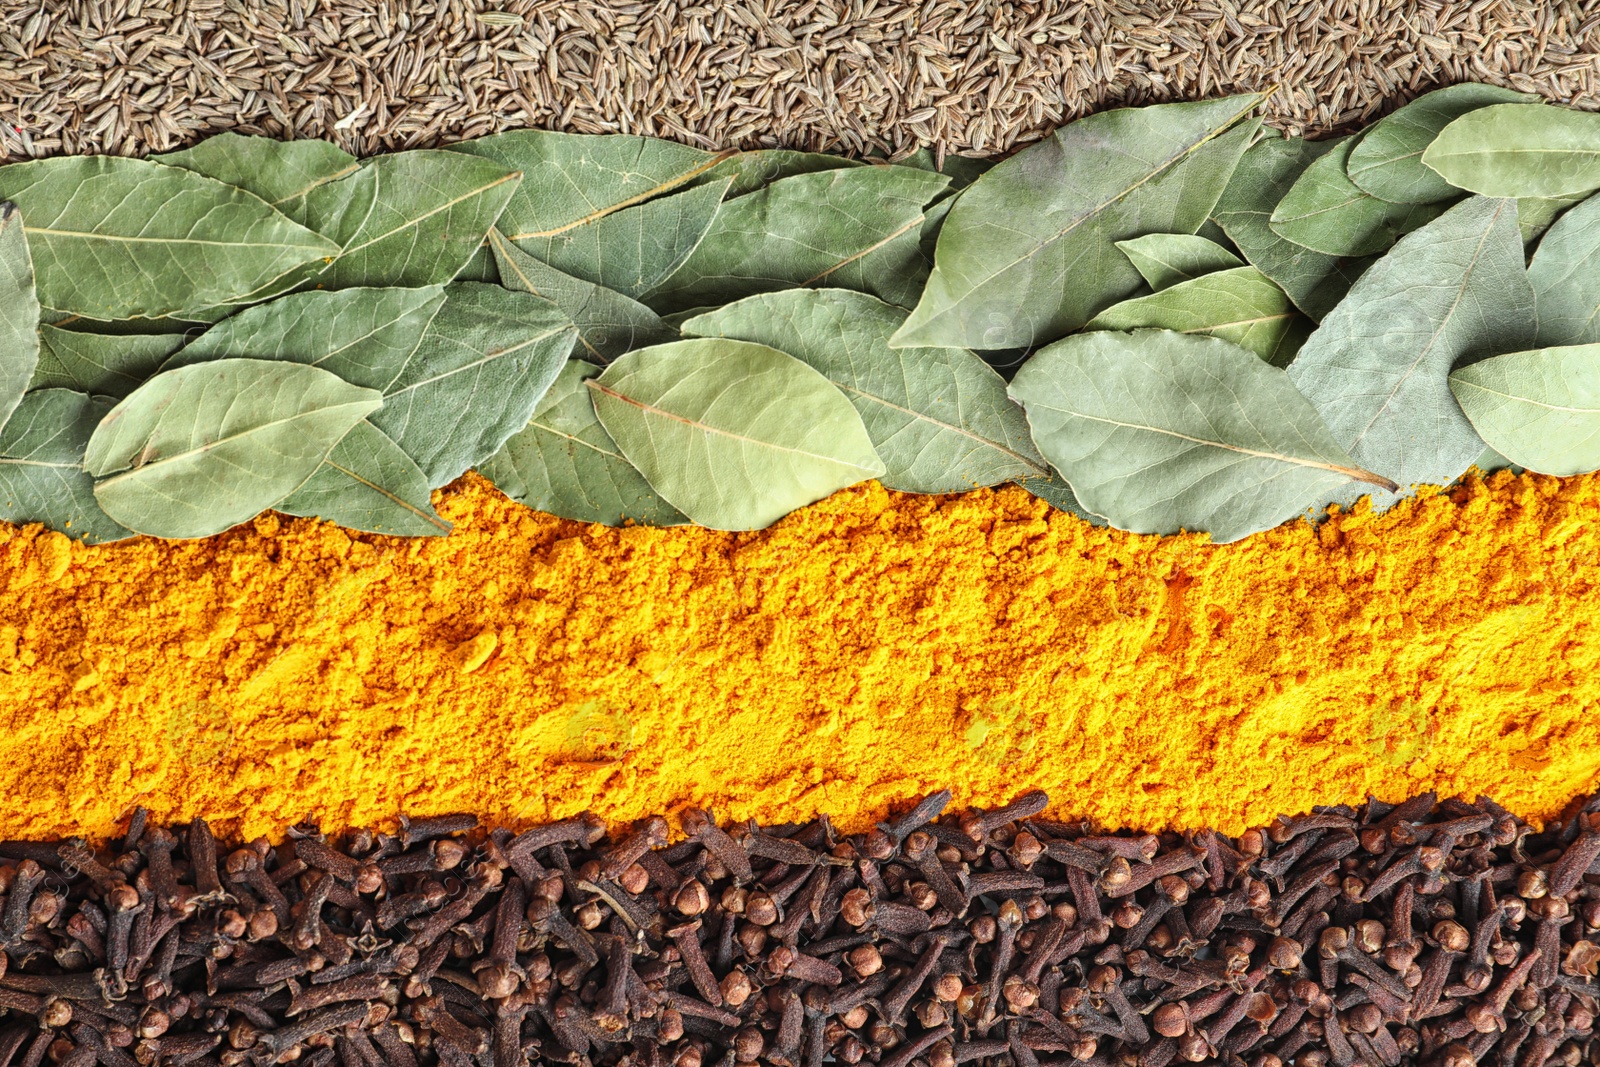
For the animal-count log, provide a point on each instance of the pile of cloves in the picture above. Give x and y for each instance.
(1440, 933)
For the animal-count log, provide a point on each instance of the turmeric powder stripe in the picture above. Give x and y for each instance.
(860, 653)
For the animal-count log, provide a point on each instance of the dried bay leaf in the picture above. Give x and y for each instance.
(201, 448)
(1028, 252)
(1241, 305)
(115, 238)
(1161, 432)
(41, 465)
(564, 463)
(19, 312)
(857, 228)
(1164, 259)
(962, 170)
(1326, 212)
(368, 483)
(608, 322)
(938, 417)
(112, 365)
(1387, 161)
(1565, 275)
(734, 435)
(1378, 368)
(282, 173)
(1536, 214)
(1519, 150)
(1539, 409)
(760, 167)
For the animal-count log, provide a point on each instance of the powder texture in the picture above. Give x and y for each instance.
(864, 651)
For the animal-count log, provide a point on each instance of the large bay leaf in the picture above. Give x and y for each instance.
(1029, 253)
(1161, 432)
(102, 364)
(938, 417)
(368, 483)
(1326, 212)
(1378, 367)
(1519, 150)
(1539, 409)
(734, 435)
(608, 322)
(1164, 259)
(41, 465)
(564, 463)
(282, 173)
(474, 379)
(760, 167)
(19, 312)
(1315, 282)
(1565, 274)
(198, 449)
(1387, 161)
(857, 228)
(1241, 305)
(115, 238)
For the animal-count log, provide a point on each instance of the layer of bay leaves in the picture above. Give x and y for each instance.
(1565, 275)
(19, 312)
(939, 418)
(1314, 281)
(1327, 212)
(1519, 150)
(609, 323)
(1241, 305)
(1540, 409)
(283, 173)
(565, 463)
(196, 450)
(115, 238)
(1377, 369)
(1387, 160)
(1164, 259)
(857, 228)
(1028, 253)
(734, 435)
(1161, 432)
(102, 364)
(41, 465)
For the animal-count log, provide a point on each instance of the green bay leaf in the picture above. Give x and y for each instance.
(1536, 214)
(734, 435)
(759, 167)
(368, 483)
(19, 312)
(1565, 274)
(41, 466)
(102, 364)
(565, 464)
(1241, 305)
(1387, 161)
(199, 449)
(1326, 212)
(1519, 150)
(282, 173)
(1164, 259)
(1028, 252)
(1539, 409)
(1161, 432)
(938, 417)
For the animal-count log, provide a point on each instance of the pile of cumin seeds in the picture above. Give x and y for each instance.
(852, 76)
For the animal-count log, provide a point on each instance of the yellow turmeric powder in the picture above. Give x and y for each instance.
(864, 651)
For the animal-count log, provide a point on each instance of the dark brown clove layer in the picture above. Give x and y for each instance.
(1443, 934)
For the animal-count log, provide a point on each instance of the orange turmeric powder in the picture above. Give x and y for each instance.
(866, 650)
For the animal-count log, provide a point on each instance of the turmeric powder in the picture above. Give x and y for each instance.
(866, 650)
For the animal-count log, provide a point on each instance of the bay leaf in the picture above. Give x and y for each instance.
(1315, 282)
(1164, 259)
(41, 466)
(857, 228)
(608, 322)
(757, 168)
(282, 173)
(199, 449)
(564, 463)
(1326, 212)
(961, 170)
(110, 365)
(1519, 150)
(115, 238)
(474, 379)
(409, 218)
(1539, 409)
(631, 251)
(480, 268)
(1162, 432)
(1387, 161)
(1028, 252)
(1241, 305)
(1536, 214)
(1377, 369)
(368, 483)
(1565, 275)
(734, 435)
(19, 312)
(939, 418)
